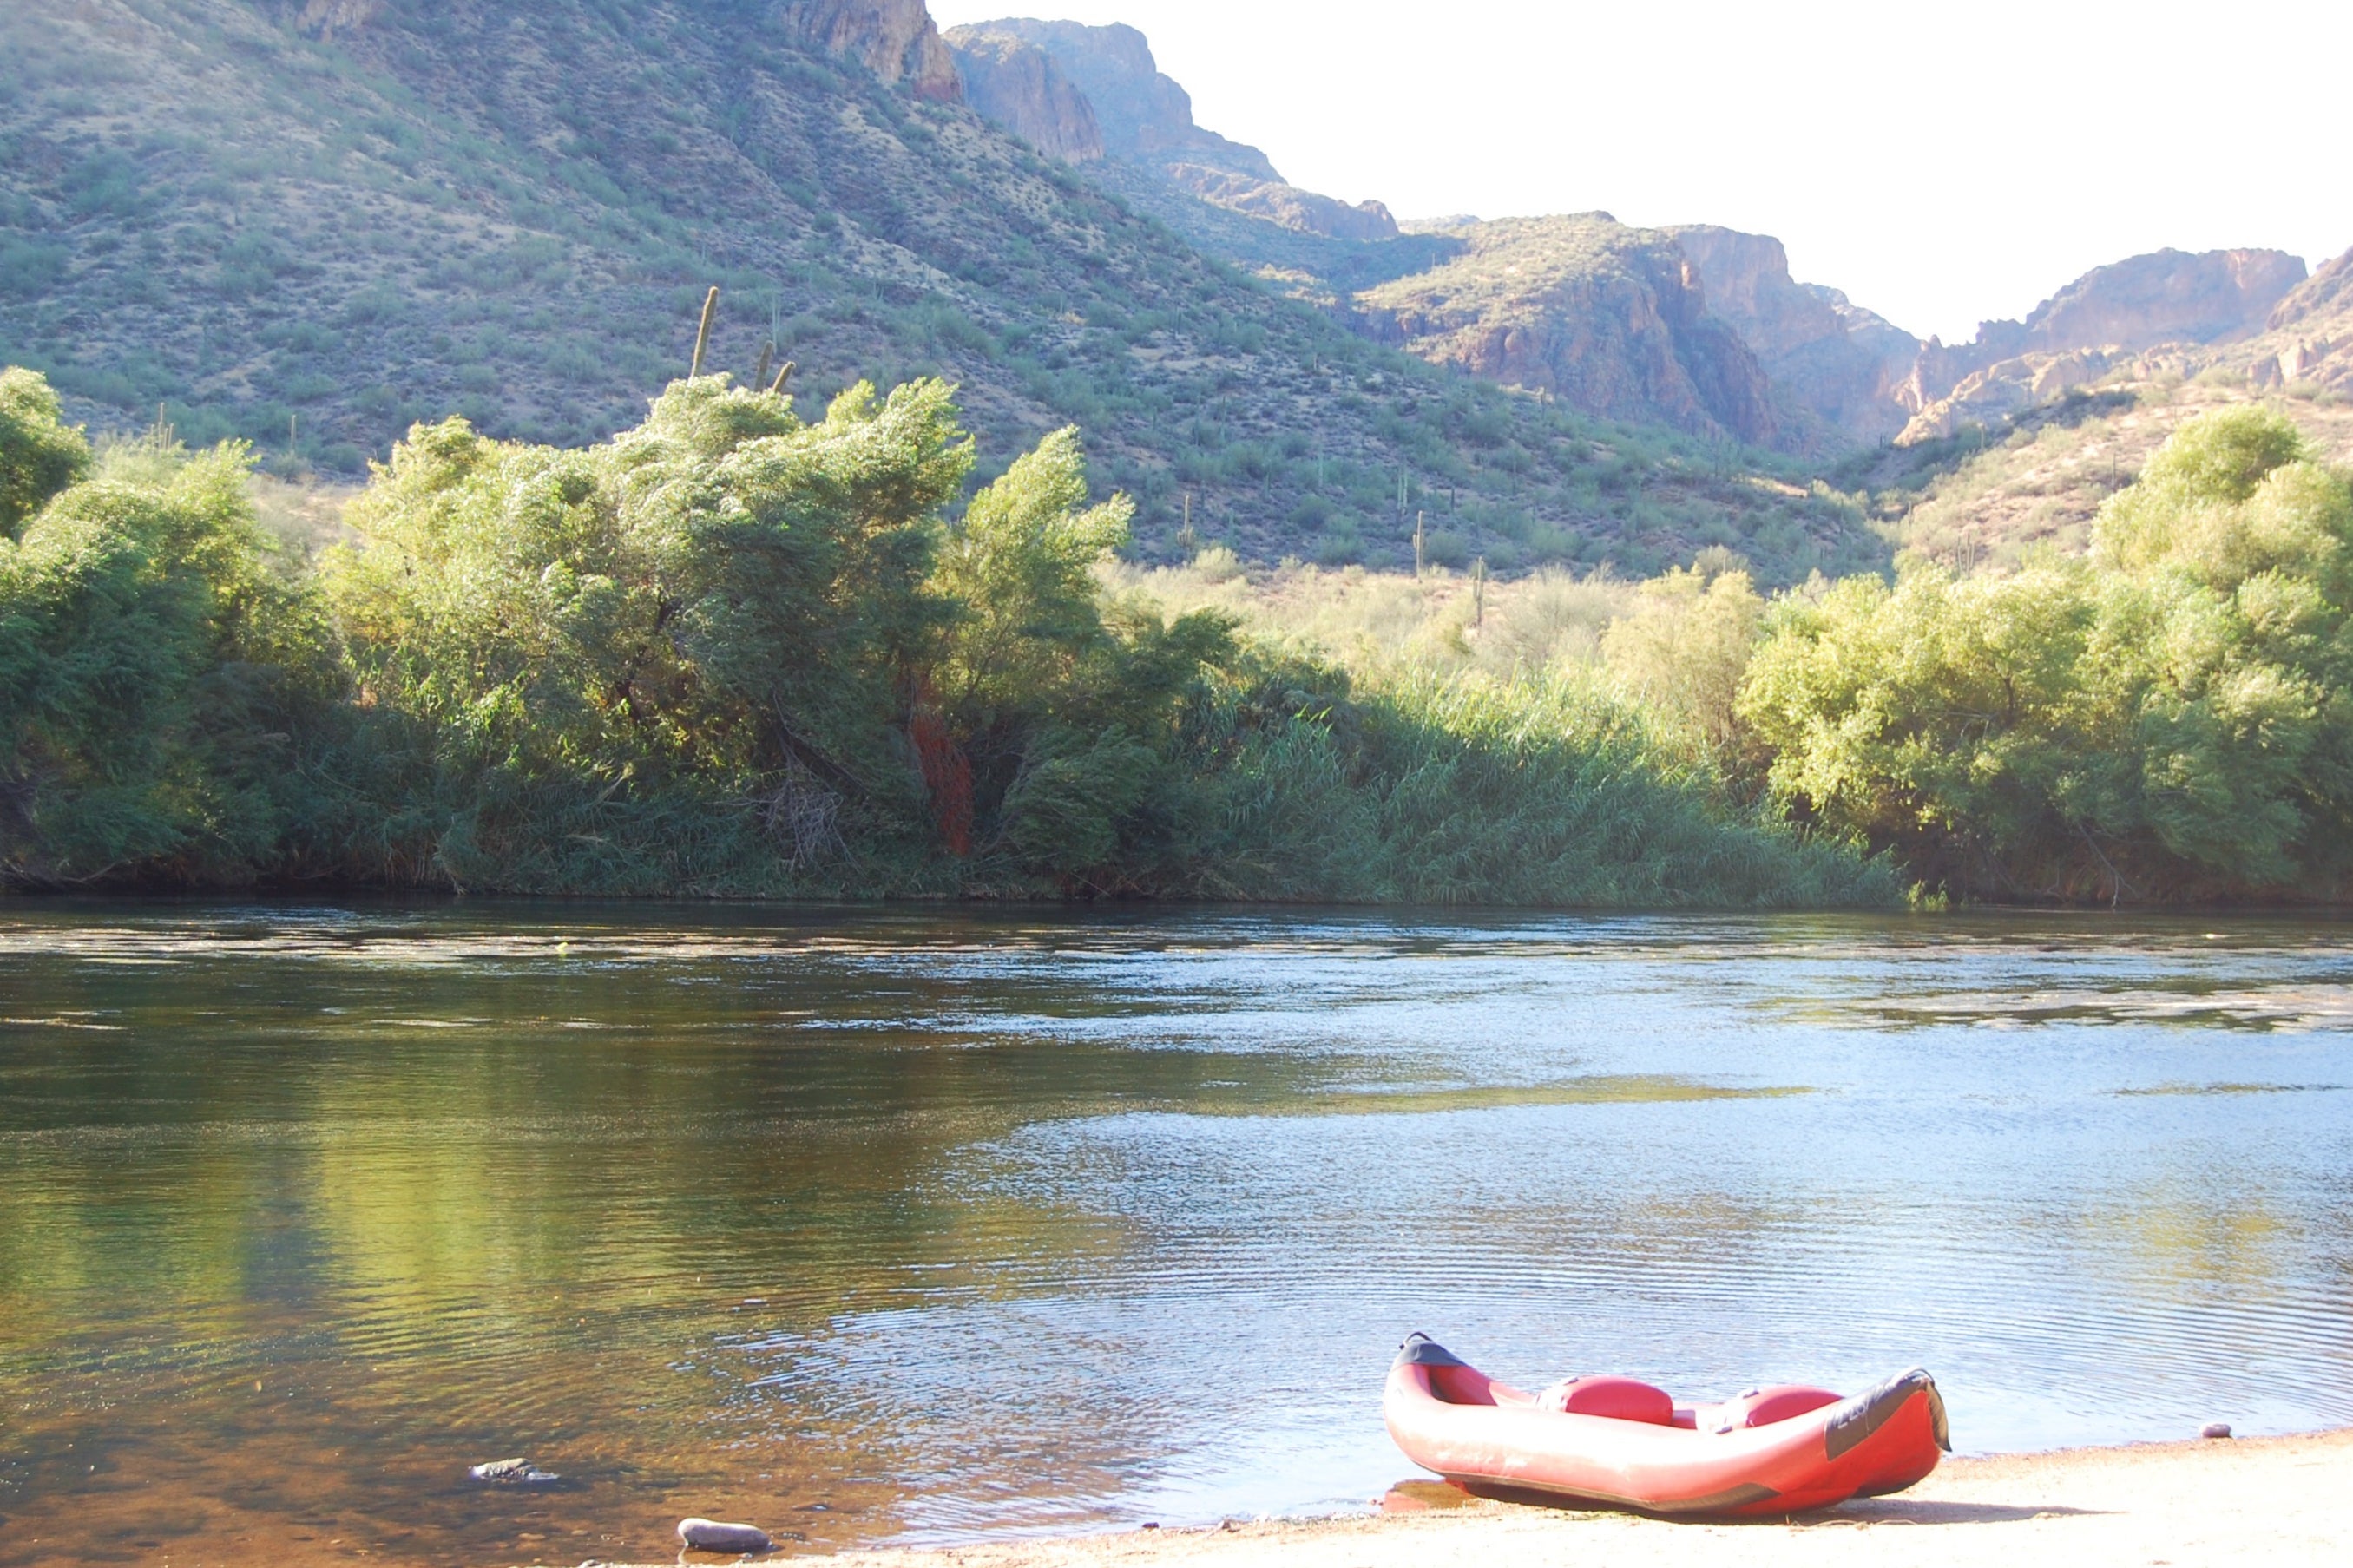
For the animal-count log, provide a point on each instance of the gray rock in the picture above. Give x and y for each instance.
(710, 1535)
(513, 1472)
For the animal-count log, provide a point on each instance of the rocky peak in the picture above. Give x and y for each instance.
(1143, 120)
(895, 39)
(1748, 284)
(2308, 340)
(1611, 320)
(2328, 293)
(2165, 297)
(1145, 115)
(2142, 302)
(1836, 360)
(1011, 81)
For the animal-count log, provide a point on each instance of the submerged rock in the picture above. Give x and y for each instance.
(710, 1535)
(513, 1472)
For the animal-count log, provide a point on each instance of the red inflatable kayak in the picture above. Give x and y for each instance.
(1614, 1440)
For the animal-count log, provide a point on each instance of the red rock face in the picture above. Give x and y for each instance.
(1611, 320)
(1014, 83)
(1016, 71)
(895, 39)
(1837, 360)
(1145, 115)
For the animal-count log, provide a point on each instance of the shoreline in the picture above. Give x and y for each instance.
(2202, 1501)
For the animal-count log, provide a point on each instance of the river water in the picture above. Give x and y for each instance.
(879, 1225)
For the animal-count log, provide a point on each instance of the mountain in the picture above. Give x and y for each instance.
(2307, 340)
(1145, 119)
(1610, 319)
(2030, 464)
(313, 222)
(2102, 323)
(1836, 362)
(1603, 318)
(1011, 82)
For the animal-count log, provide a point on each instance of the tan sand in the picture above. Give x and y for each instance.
(2266, 1503)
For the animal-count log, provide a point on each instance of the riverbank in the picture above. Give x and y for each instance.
(2282, 1499)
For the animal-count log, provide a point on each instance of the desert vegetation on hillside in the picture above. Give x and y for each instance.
(311, 243)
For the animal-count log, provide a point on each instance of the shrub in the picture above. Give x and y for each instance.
(153, 672)
(2170, 718)
(39, 453)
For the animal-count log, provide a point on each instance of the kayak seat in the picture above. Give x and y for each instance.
(1462, 1385)
(1618, 1398)
(1783, 1401)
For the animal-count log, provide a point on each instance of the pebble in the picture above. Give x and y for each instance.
(2216, 1429)
(711, 1535)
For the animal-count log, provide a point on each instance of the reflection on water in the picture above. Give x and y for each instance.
(875, 1224)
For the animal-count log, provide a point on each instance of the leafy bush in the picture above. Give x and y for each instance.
(1683, 649)
(730, 652)
(39, 453)
(152, 672)
(2171, 718)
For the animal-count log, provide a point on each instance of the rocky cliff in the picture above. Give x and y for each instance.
(1012, 81)
(1145, 120)
(1146, 116)
(1835, 360)
(895, 39)
(1611, 320)
(2165, 297)
(2308, 339)
(2091, 326)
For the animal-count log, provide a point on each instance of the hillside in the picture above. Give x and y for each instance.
(2025, 452)
(312, 224)
(1988, 495)
(1607, 319)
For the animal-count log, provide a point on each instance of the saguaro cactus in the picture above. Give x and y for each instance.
(702, 334)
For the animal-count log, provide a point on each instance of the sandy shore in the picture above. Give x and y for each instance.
(2271, 1502)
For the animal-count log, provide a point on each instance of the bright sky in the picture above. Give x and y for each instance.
(1941, 162)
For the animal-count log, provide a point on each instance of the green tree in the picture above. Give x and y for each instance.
(2172, 717)
(155, 672)
(1062, 719)
(40, 454)
(597, 648)
(1684, 646)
